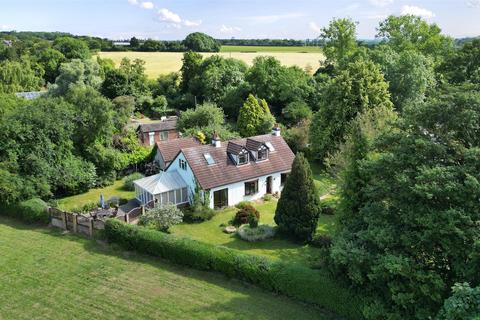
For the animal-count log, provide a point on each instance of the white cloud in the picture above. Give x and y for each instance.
(417, 11)
(146, 5)
(6, 27)
(381, 3)
(228, 29)
(473, 3)
(315, 27)
(189, 23)
(134, 2)
(174, 20)
(168, 16)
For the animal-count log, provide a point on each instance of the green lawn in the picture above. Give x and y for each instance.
(116, 189)
(45, 274)
(270, 49)
(277, 248)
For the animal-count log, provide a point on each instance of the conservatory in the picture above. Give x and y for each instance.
(164, 188)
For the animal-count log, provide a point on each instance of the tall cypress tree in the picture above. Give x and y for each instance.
(299, 206)
(254, 117)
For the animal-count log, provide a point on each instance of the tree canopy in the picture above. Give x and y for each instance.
(201, 42)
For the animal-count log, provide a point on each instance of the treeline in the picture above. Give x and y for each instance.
(269, 42)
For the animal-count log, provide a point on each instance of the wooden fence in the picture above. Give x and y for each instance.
(87, 225)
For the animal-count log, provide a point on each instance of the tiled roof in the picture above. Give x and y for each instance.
(224, 171)
(164, 125)
(170, 148)
(253, 145)
(234, 148)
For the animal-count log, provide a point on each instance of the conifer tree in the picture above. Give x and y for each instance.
(299, 206)
(254, 117)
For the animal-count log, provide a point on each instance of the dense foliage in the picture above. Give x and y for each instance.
(201, 42)
(162, 217)
(298, 209)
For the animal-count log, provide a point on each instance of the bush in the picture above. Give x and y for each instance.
(321, 241)
(243, 215)
(253, 221)
(297, 281)
(87, 207)
(329, 206)
(128, 180)
(242, 204)
(162, 217)
(253, 234)
(267, 197)
(199, 214)
(30, 211)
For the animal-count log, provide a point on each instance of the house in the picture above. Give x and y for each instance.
(30, 95)
(166, 151)
(226, 173)
(165, 129)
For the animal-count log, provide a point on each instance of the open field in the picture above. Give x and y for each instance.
(269, 49)
(49, 275)
(158, 63)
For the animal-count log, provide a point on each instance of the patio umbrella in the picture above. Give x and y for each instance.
(102, 201)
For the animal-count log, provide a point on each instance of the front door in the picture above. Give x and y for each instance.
(269, 184)
(220, 198)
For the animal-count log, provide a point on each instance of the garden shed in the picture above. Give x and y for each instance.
(164, 188)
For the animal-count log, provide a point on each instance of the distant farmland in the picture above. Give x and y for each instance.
(158, 63)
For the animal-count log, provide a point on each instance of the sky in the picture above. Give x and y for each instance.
(174, 19)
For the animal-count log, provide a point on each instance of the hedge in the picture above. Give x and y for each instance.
(293, 280)
(30, 211)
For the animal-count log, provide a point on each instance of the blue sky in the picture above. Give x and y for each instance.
(173, 19)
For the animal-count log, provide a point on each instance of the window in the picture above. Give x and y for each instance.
(171, 197)
(209, 158)
(270, 146)
(283, 179)
(262, 154)
(243, 158)
(164, 198)
(251, 187)
(163, 135)
(184, 195)
(151, 136)
(182, 164)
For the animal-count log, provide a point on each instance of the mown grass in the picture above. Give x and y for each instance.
(93, 195)
(276, 248)
(46, 274)
(159, 63)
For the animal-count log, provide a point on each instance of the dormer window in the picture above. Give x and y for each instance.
(262, 154)
(243, 158)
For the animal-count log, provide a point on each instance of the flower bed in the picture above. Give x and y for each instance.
(260, 233)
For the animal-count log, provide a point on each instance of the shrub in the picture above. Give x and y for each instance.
(162, 217)
(201, 214)
(329, 206)
(294, 280)
(87, 207)
(243, 215)
(242, 204)
(253, 234)
(30, 211)
(321, 241)
(253, 221)
(267, 197)
(463, 304)
(128, 180)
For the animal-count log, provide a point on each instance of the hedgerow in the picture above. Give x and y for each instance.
(300, 282)
(30, 211)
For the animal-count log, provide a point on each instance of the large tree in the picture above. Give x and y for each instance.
(72, 48)
(339, 39)
(16, 76)
(410, 32)
(77, 74)
(356, 88)
(254, 117)
(298, 209)
(463, 64)
(201, 42)
(411, 230)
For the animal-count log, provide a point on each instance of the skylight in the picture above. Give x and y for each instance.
(209, 158)
(270, 146)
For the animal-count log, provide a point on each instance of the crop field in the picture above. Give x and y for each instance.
(45, 274)
(158, 63)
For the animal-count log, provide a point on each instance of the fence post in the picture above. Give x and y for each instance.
(127, 218)
(75, 223)
(143, 210)
(64, 220)
(90, 227)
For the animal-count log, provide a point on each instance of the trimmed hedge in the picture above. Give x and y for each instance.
(313, 286)
(30, 211)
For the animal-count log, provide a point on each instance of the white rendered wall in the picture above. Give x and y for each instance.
(236, 191)
(187, 175)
